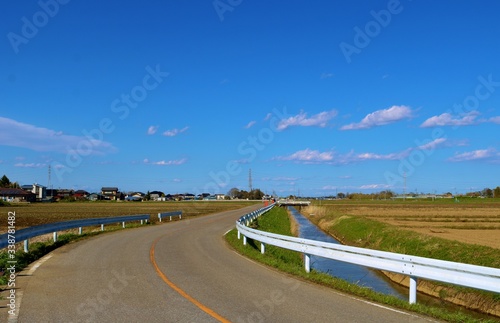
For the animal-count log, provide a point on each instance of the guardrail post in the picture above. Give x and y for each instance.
(80, 230)
(26, 245)
(413, 290)
(102, 227)
(123, 224)
(239, 234)
(180, 216)
(244, 240)
(307, 263)
(55, 236)
(262, 248)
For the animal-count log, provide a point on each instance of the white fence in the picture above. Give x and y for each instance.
(484, 278)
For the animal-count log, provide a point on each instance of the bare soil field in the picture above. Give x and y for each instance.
(473, 223)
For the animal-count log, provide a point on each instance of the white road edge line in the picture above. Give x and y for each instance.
(19, 298)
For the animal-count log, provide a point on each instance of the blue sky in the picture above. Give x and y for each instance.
(313, 97)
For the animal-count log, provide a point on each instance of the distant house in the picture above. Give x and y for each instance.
(40, 191)
(135, 196)
(64, 193)
(111, 193)
(220, 196)
(95, 197)
(81, 194)
(157, 196)
(16, 195)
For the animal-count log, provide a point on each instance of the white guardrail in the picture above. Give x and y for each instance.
(484, 278)
(170, 214)
(31, 232)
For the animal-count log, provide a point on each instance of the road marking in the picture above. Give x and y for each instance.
(204, 308)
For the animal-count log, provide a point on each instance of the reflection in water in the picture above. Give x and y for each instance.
(352, 273)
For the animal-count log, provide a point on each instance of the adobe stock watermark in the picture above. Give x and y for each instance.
(94, 305)
(31, 26)
(248, 149)
(122, 108)
(264, 309)
(484, 89)
(223, 6)
(373, 28)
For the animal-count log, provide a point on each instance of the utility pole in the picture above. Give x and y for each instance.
(48, 184)
(250, 179)
(404, 188)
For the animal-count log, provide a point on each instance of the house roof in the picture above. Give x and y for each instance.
(13, 192)
(109, 188)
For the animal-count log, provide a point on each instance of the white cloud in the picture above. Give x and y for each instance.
(318, 120)
(326, 75)
(381, 117)
(374, 186)
(446, 119)
(436, 143)
(30, 165)
(309, 156)
(174, 162)
(174, 132)
(250, 124)
(280, 179)
(152, 130)
(373, 156)
(23, 135)
(495, 120)
(480, 154)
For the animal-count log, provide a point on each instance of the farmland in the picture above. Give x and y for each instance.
(471, 221)
(465, 231)
(41, 213)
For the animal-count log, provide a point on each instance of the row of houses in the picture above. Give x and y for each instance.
(39, 193)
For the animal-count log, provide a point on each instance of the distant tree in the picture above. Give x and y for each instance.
(243, 195)
(487, 192)
(255, 194)
(496, 192)
(233, 193)
(5, 181)
(340, 195)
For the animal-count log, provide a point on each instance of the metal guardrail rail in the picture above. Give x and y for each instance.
(31, 232)
(170, 214)
(484, 278)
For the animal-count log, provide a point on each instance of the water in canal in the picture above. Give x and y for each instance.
(352, 273)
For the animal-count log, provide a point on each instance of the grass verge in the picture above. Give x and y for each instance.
(277, 221)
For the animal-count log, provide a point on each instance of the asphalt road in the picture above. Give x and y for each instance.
(178, 272)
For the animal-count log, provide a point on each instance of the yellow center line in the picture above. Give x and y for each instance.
(205, 309)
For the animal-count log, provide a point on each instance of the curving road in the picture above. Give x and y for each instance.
(179, 272)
